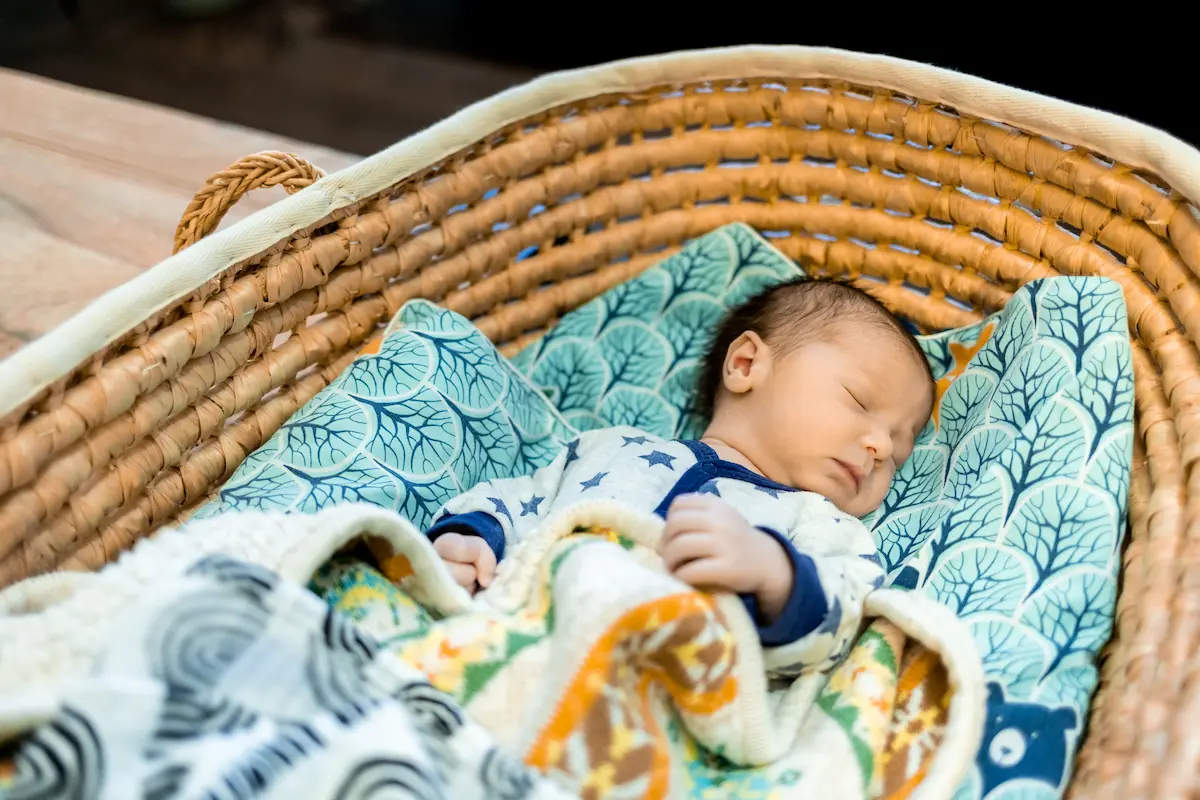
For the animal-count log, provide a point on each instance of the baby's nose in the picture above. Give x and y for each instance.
(879, 446)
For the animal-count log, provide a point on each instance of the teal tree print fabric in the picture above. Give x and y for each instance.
(1012, 509)
(630, 357)
(434, 411)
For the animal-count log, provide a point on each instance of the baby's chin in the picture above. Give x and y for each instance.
(856, 506)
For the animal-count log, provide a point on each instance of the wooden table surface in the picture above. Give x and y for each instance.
(92, 187)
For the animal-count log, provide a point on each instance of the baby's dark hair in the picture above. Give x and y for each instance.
(790, 314)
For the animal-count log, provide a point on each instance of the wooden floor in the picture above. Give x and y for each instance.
(343, 93)
(92, 184)
(91, 188)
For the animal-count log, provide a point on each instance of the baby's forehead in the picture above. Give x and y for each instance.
(874, 340)
(878, 356)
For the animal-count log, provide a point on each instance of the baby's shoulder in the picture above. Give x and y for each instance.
(620, 435)
(826, 528)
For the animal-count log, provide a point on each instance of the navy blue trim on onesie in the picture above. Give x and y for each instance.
(806, 606)
(473, 523)
(708, 466)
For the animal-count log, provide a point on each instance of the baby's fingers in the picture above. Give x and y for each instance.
(693, 502)
(705, 573)
(681, 522)
(485, 567)
(456, 547)
(684, 548)
(463, 574)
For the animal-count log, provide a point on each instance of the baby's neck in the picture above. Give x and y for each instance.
(728, 452)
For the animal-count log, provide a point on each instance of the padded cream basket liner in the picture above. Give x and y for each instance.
(136, 409)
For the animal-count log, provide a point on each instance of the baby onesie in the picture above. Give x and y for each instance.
(832, 553)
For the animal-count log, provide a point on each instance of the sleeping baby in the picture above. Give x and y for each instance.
(816, 394)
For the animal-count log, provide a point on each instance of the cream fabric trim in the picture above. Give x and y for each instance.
(54, 355)
(939, 629)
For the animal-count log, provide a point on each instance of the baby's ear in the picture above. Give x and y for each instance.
(745, 361)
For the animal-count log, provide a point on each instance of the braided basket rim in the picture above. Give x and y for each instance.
(39, 364)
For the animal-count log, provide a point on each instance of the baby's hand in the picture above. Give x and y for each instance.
(708, 544)
(471, 561)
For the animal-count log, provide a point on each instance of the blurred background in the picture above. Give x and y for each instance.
(357, 75)
(114, 112)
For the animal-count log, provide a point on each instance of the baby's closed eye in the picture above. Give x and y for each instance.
(855, 398)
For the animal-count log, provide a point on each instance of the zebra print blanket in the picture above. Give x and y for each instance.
(228, 682)
(198, 666)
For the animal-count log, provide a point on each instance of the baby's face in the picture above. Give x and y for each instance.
(842, 416)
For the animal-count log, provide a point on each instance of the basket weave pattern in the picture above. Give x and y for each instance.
(944, 216)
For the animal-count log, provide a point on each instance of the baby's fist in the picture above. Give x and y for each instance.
(471, 562)
(697, 513)
(707, 543)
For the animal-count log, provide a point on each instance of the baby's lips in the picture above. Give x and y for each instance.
(855, 474)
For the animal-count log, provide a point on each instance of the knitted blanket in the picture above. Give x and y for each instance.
(605, 675)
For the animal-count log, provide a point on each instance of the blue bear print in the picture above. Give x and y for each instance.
(1025, 741)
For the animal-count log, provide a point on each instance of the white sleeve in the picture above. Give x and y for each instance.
(503, 511)
(837, 567)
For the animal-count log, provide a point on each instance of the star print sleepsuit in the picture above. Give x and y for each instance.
(833, 554)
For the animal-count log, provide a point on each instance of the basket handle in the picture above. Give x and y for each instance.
(222, 190)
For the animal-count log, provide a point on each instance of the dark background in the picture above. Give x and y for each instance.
(360, 74)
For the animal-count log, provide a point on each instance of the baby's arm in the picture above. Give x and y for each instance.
(836, 565)
(804, 589)
(494, 514)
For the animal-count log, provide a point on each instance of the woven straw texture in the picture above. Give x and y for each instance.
(944, 192)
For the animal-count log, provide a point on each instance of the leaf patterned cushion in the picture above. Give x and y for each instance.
(1012, 509)
(435, 410)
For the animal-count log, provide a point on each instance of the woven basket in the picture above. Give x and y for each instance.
(949, 190)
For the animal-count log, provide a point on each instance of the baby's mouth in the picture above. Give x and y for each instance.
(852, 473)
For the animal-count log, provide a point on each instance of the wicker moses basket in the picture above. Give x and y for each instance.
(135, 410)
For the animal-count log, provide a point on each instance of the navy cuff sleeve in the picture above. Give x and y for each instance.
(805, 609)
(473, 523)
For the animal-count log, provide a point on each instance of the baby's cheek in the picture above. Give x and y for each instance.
(878, 489)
